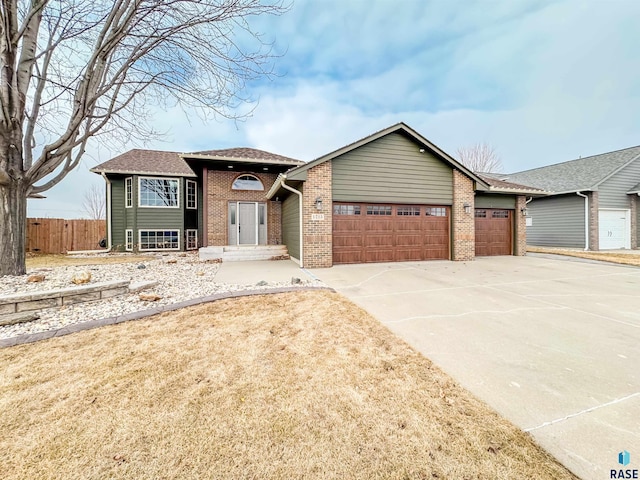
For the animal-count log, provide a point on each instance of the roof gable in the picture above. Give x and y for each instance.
(402, 128)
(577, 175)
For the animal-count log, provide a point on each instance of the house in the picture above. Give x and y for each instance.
(391, 196)
(593, 204)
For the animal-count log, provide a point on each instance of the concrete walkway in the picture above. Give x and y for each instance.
(552, 345)
(251, 273)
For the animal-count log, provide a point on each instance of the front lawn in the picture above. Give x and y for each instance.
(297, 385)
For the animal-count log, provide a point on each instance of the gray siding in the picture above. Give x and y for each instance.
(392, 169)
(495, 201)
(557, 222)
(291, 225)
(613, 192)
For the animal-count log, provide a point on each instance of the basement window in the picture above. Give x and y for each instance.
(159, 239)
(192, 239)
(128, 246)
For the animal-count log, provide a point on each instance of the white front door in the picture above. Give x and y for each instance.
(614, 229)
(247, 223)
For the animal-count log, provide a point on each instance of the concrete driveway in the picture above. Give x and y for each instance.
(551, 344)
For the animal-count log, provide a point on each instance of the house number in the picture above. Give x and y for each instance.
(317, 216)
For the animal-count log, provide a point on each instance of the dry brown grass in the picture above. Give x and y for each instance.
(298, 385)
(41, 261)
(621, 258)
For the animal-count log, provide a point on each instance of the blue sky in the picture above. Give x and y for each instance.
(541, 81)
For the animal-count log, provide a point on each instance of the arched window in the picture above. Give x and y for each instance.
(247, 182)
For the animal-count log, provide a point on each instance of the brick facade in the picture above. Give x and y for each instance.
(520, 223)
(318, 234)
(219, 194)
(594, 227)
(463, 223)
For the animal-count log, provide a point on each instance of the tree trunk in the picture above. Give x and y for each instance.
(13, 229)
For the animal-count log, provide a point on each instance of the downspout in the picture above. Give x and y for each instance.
(293, 190)
(586, 220)
(108, 211)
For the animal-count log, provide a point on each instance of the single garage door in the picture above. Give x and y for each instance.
(614, 229)
(366, 232)
(494, 232)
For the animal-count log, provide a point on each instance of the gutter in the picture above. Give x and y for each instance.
(586, 220)
(293, 190)
(109, 245)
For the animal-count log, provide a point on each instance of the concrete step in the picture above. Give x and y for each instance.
(246, 253)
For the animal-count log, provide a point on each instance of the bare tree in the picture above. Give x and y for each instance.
(480, 157)
(73, 69)
(93, 203)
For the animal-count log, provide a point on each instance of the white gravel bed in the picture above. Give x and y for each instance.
(186, 279)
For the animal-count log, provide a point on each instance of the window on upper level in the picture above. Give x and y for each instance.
(247, 182)
(158, 192)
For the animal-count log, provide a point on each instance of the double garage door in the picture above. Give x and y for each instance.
(365, 232)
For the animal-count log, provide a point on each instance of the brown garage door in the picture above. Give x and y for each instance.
(494, 232)
(365, 232)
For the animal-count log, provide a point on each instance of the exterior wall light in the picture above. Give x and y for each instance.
(467, 207)
(524, 211)
(318, 203)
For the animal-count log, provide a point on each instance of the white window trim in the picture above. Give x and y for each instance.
(195, 195)
(158, 206)
(186, 246)
(157, 230)
(128, 180)
(127, 247)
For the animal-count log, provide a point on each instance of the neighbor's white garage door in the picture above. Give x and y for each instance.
(614, 229)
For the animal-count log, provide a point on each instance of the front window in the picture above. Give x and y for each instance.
(158, 192)
(128, 193)
(159, 239)
(192, 189)
(247, 182)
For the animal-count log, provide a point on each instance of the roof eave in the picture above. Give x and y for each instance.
(262, 161)
(138, 172)
(276, 186)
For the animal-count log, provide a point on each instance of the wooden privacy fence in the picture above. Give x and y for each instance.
(56, 235)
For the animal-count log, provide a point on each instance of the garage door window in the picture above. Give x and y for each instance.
(408, 211)
(481, 214)
(436, 212)
(500, 214)
(378, 209)
(346, 209)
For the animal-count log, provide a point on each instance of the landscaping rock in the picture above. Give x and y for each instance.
(200, 274)
(35, 278)
(295, 281)
(261, 283)
(142, 266)
(149, 297)
(172, 260)
(81, 278)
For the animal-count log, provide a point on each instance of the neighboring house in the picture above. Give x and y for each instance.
(593, 202)
(392, 196)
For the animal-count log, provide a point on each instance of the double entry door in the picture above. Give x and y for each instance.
(247, 223)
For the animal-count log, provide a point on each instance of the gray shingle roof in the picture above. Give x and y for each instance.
(575, 175)
(498, 185)
(245, 154)
(155, 162)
